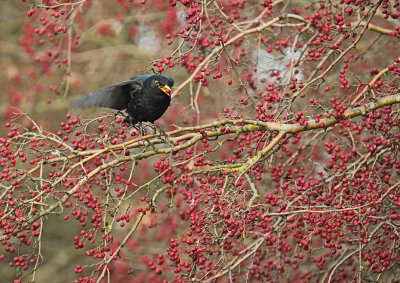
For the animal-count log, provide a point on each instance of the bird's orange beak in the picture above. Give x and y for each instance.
(166, 89)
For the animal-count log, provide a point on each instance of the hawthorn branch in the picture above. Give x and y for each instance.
(341, 260)
(192, 138)
(120, 246)
(231, 41)
(376, 28)
(370, 84)
(339, 58)
(245, 254)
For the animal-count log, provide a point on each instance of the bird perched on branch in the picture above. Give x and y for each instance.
(144, 98)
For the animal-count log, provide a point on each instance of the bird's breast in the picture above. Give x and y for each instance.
(148, 108)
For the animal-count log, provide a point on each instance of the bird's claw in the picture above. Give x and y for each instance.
(163, 133)
(140, 128)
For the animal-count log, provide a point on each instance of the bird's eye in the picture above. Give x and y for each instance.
(156, 82)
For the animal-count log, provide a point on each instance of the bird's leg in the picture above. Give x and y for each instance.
(163, 134)
(140, 127)
(143, 130)
(154, 127)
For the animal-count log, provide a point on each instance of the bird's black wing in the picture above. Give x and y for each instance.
(114, 96)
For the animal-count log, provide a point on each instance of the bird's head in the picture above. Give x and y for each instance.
(162, 83)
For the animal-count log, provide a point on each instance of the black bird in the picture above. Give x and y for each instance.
(144, 98)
